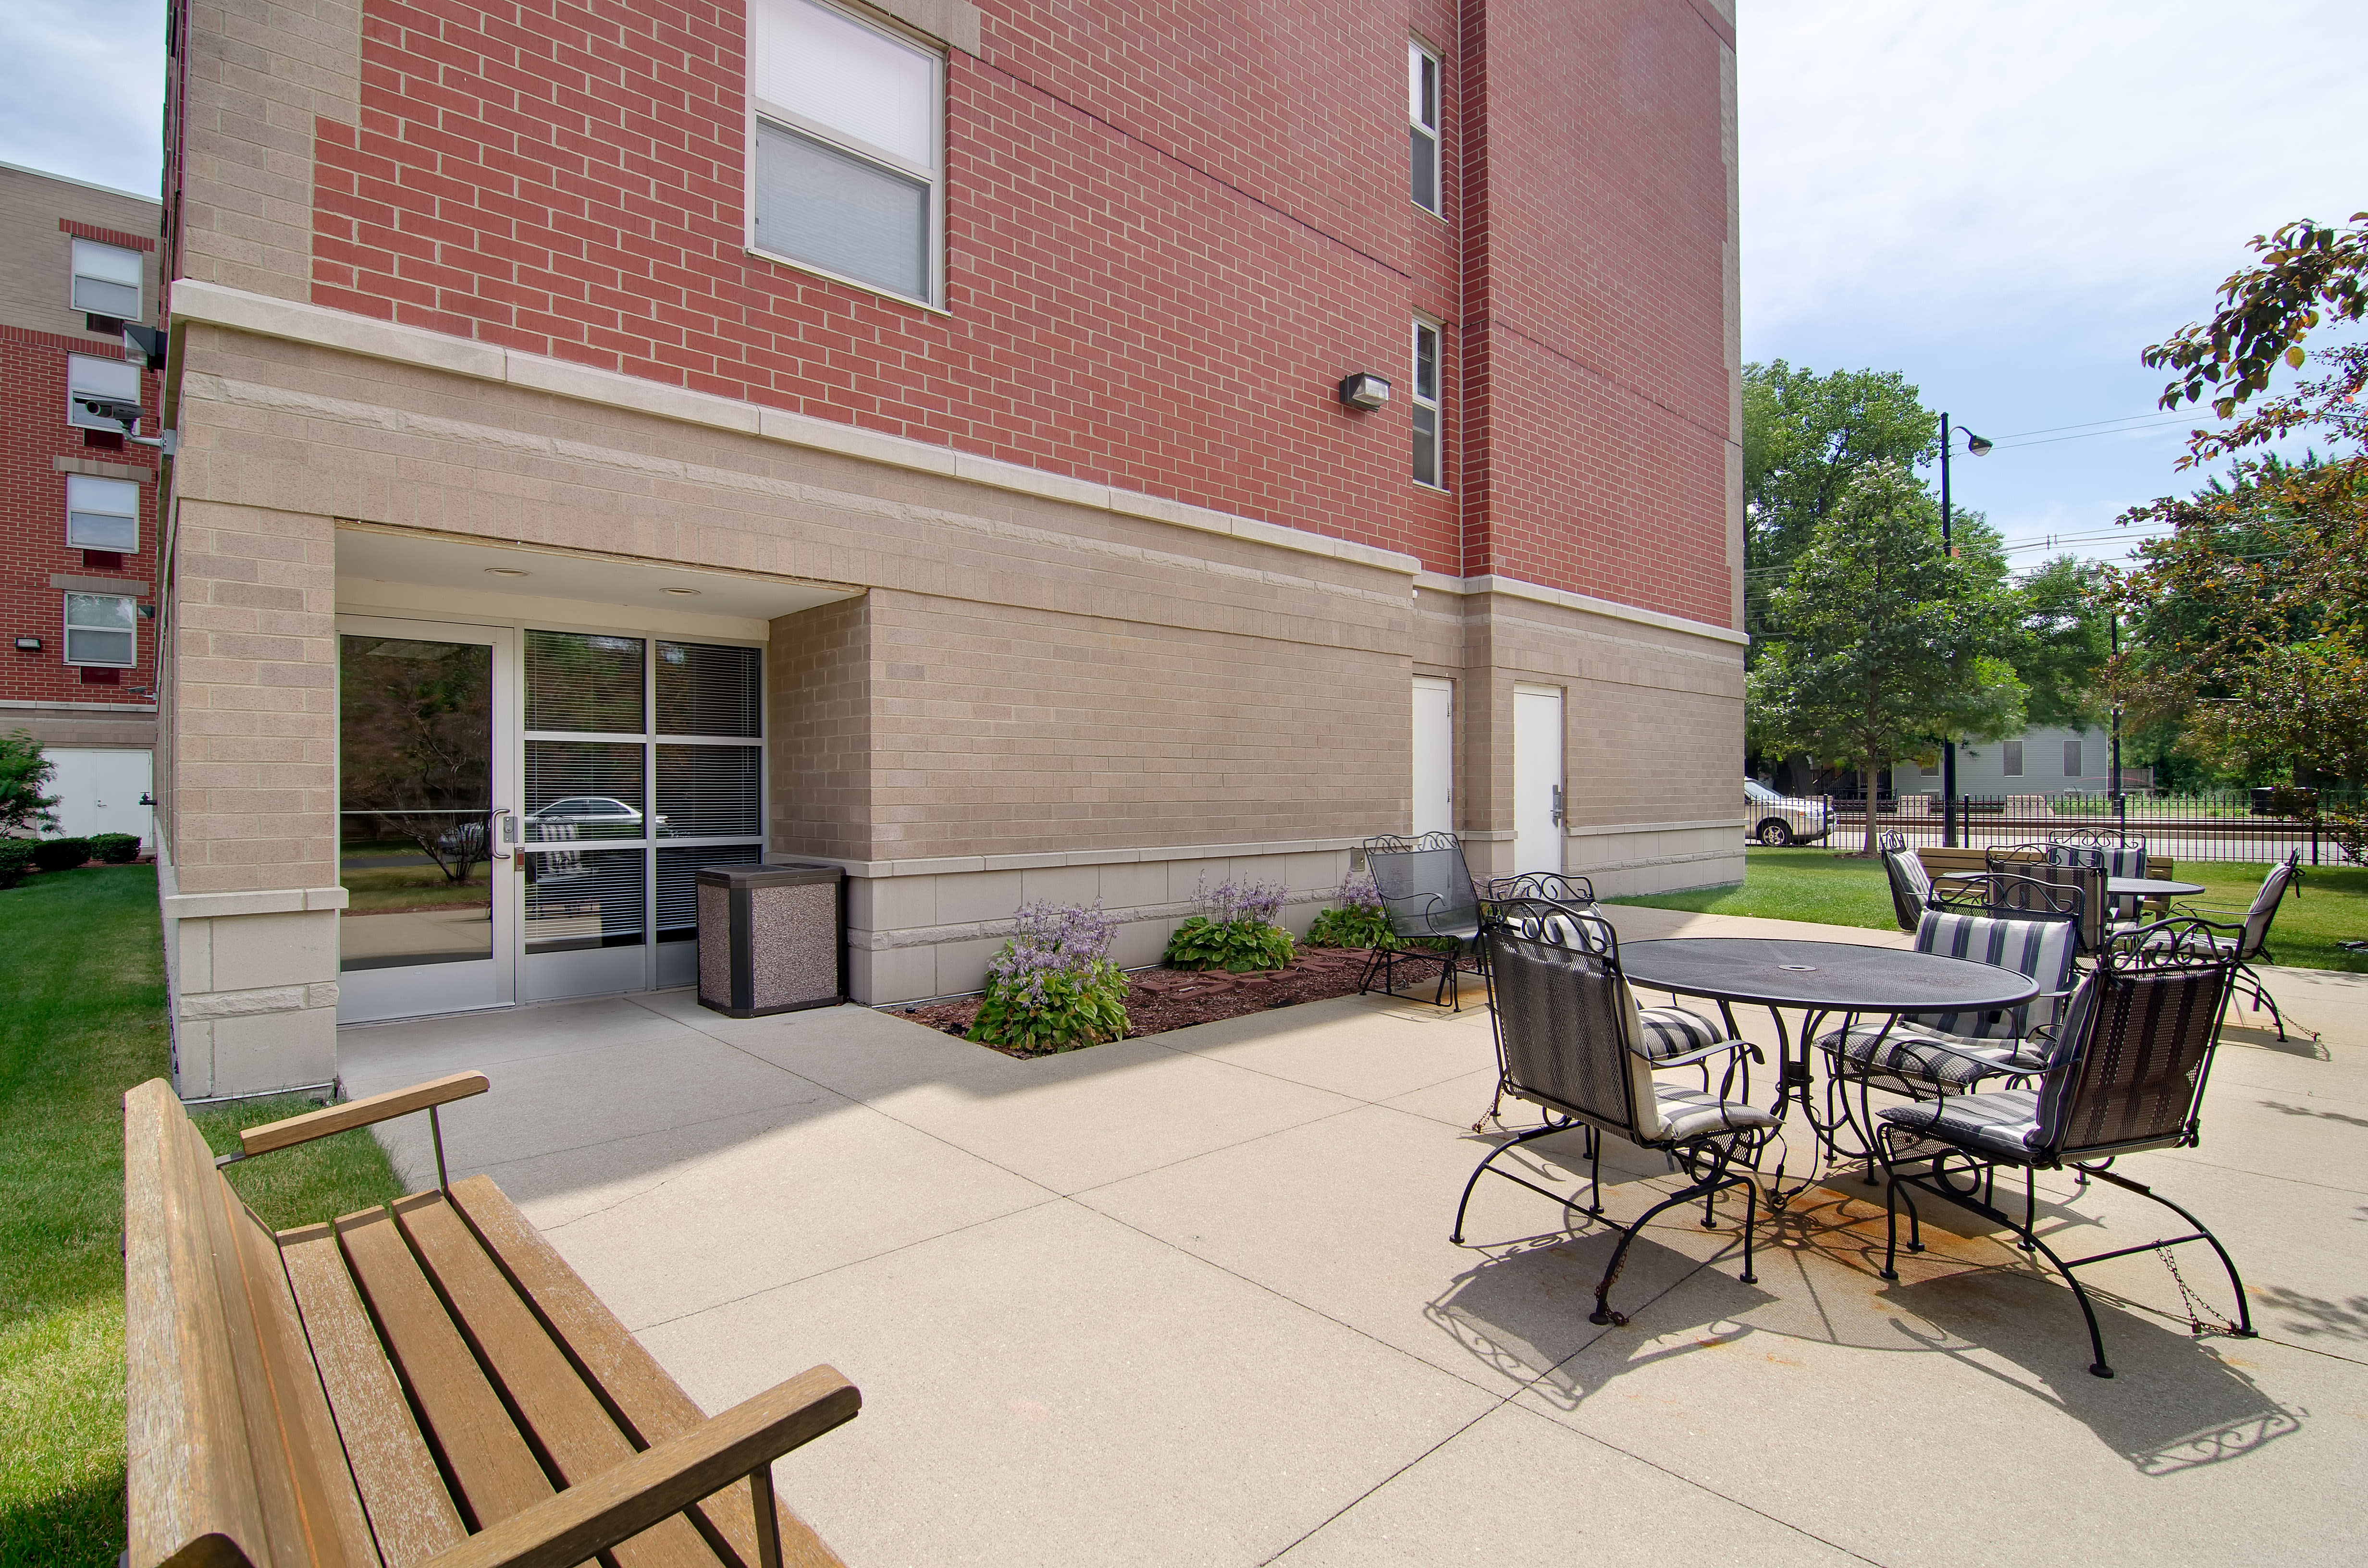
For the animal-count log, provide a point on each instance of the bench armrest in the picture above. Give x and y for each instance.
(358, 1113)
(617, 1505)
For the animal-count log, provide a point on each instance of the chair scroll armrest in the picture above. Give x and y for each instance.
(355, 1113)
(617, 1505)
(1691, 1057)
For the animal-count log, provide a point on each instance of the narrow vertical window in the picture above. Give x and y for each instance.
(2014, 759)
(1422, 124)
(1426, 403)
(2072, 759)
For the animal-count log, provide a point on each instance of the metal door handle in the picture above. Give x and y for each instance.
(500, 829)
(1557, 805)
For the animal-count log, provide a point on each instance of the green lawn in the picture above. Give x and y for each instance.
(82, 1019)
(1836, 890)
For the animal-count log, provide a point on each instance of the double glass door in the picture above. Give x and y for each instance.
(527, 810)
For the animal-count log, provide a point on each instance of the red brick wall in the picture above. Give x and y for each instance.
(33, 431)
(1170, 231)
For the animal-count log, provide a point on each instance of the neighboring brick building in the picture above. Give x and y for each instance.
(917, 435)
(77, 500)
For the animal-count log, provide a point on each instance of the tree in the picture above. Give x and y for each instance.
(2255, 606)
(2066, 637)
(1805, 438)
(1888, 645)
(23, 771)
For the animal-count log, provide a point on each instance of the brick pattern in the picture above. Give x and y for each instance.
(818, 728)
(250, 779)
(33, 434)
(107, 236)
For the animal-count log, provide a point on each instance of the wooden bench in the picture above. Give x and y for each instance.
(1976, 859)
(426, 1384)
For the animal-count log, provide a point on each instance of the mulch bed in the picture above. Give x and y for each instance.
(1160, 1000)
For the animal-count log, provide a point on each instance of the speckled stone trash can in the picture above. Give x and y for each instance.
(770, 939)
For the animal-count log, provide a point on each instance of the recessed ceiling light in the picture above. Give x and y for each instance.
(685, 593)
(506, 572)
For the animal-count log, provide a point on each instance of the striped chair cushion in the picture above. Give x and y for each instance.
(2043, 949)
(1905, 1052)
(1689, 1113)
(2004, 1122)
(1674, 1031)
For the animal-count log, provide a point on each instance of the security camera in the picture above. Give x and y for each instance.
(123, 413)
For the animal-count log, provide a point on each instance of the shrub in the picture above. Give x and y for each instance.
(15, 860)
(1234, 930)
(1357, 920)
(1054, 987)
(114, 848)
(23, 771)
(61, 854)
(2348, 826)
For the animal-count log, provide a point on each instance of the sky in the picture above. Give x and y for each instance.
(2004, 199)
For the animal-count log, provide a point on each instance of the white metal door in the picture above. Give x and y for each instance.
(103, 789)
(1434, 754)
(426, 785)
(1537, 779)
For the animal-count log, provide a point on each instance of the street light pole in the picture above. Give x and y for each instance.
(1979, 448)
(1948, 747)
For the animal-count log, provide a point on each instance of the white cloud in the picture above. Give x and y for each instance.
(82, 90)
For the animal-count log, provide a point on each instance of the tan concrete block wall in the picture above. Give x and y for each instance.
(66, 727)
(251, 798)
(818, 669)
(257, 77)
(37, 257)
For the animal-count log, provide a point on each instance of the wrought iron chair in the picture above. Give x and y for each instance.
(1911, 885)
(1569, 1042)
(2127, 1073)
(2248, 936)
(2086, 874)
(1670, 1032)
(2018, 923)
(1427, 893)
(2120, 853)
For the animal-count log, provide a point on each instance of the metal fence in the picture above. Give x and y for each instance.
(2220, 826)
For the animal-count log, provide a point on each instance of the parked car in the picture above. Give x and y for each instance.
(1779, 820)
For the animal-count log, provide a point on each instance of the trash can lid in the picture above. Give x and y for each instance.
(782, 874)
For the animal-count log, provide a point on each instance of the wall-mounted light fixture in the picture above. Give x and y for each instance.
(147, 612)
(1363, 389)
(681, 593)
(28, 645)
(507, 572)
(143, 346)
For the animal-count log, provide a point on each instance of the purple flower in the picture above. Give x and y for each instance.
(1230, 901)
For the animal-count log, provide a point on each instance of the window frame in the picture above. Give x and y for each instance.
(75, 275)
(787, 118)
(88, 479)
(2074, 758)
(1418, 55)
(81, 418)
(1435, 404)
(2010, 758)
(67, 629)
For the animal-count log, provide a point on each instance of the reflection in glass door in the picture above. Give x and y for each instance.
(420, 769)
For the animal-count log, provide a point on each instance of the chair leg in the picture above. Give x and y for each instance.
(2098, 1367)
(2235, 1284)
(1716, 1179)
(2261, 998)
(1456, 1234)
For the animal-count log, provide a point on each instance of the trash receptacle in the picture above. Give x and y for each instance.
(770, 939)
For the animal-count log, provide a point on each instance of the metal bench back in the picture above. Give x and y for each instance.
(1424, 883)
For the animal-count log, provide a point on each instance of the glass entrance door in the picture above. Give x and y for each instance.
(425, 853)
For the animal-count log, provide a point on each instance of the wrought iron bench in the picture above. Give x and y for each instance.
(424, 1384)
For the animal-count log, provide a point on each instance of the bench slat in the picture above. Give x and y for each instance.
(188, 1472)
(410, 1512)
(329, 1509)
(568, 1424)
(481, 1448)
(650, 1404)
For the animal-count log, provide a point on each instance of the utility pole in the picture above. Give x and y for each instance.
(1978, 446)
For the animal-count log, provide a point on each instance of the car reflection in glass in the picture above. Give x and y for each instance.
(587, 816)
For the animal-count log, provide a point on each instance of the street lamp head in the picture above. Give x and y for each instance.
(1978, 444)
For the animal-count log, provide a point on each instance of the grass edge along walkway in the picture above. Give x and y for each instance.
(82, 1020)
(1840, 889)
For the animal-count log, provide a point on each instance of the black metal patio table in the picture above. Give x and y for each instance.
(1819, 979)
(2150, 887)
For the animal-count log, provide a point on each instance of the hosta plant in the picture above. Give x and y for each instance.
(1357, 919)
(1232, 927)
(1054, 987)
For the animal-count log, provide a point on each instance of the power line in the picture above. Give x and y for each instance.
(2123, 419)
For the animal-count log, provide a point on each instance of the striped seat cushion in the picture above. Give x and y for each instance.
(1908, 1053)
(2004, 1122)
(2042, 950)
(1689, 1113)
(1675, 1032)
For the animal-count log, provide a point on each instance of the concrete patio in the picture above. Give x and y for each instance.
(1189, 1300)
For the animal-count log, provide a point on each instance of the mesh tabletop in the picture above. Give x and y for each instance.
(1839, 976)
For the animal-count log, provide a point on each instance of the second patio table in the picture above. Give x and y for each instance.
(1819, 979)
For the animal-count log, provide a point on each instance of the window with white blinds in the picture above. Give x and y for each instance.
(633, 746)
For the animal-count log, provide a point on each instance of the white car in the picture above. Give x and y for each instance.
(1778, 819)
